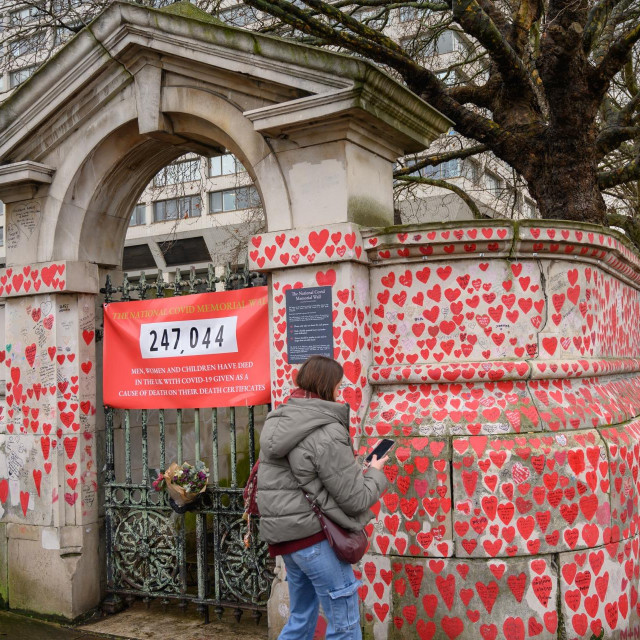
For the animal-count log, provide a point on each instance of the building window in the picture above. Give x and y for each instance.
(471, 170)
(224, 165)
(177, 208)
(418, 45)
(1, 236)
(442, 171)
(178, 172)
(448, 42)
(21, 16)
(530, 209)
(62, 35)
(138, 216)
(233, 199)
(408, 14)
(62, 6)
(20, 75)
(442, 43)
(451, 78)
(493, 183)
(29, 45)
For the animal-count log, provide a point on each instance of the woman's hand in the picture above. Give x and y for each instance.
(378, 464)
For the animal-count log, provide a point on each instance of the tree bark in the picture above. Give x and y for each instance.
(564, 182)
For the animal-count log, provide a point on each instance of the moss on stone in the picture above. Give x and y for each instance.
(431, 226)
(185, 9)
(367, 212)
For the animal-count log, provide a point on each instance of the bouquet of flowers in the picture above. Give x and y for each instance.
(183, 483)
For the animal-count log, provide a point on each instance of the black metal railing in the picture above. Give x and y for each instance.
(152, 552)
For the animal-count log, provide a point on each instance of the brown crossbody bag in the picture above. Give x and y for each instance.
(349, 546)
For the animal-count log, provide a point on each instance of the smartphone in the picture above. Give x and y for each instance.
(380, 450)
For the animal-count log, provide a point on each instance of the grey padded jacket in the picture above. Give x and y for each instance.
(305, 443)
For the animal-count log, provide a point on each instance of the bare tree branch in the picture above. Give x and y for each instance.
(443, 184)
(433, 160)
(420, 79)
(625, 173)
(613, 61)
(596, 20)
(612, 137)
(355, 25)
(631, 226)
(477, 23)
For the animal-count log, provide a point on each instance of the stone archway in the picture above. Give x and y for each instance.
(318, 132)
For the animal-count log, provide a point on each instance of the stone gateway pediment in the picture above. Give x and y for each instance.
(152, 48)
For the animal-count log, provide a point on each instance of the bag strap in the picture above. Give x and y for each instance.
(250, 493)
(315, 508)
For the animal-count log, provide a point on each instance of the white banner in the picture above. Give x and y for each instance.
(188, 338)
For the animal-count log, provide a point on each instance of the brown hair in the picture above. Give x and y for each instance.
(320, 375)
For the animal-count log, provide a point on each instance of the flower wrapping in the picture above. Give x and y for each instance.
(183, 483)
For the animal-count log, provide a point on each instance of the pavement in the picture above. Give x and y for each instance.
(158, 622)
(138, 622)
(15, 627)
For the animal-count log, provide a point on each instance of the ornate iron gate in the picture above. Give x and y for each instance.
(153, 552)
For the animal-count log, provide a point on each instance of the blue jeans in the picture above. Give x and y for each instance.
(316, 576)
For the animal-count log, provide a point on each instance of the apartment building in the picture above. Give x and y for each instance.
(195, 211)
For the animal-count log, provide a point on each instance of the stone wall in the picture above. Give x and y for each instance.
(48, 452)
(504, 360)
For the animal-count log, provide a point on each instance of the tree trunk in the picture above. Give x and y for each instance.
(564, 181)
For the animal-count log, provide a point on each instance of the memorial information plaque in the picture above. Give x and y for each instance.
(309, 323)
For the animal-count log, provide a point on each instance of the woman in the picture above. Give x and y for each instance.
(305, 444)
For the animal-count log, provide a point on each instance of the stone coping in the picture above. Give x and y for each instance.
(20, 180)
(348, 242)
(403, 127)
(49, 277)
(26, 171)
(489, 371)
(549, 239)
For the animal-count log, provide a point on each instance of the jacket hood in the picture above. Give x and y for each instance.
(291, 423)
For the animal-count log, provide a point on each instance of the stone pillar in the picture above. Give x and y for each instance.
(336, 152)
(48, 472)
(49, 551)
(332, 256)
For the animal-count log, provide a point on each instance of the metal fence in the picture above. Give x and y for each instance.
(152, 552)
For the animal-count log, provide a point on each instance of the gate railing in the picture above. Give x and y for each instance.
(151, 551)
